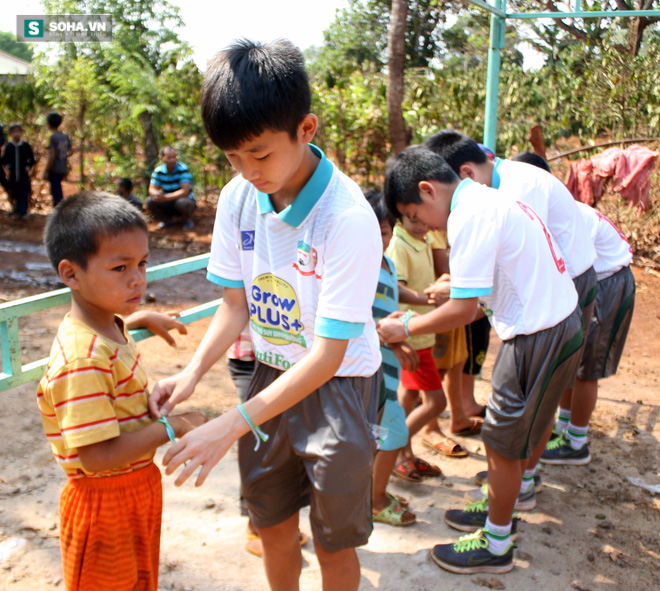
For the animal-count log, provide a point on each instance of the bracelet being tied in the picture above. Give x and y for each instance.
(259, 435)
(168, 428)
(405, 319)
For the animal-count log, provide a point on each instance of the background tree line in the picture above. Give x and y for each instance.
(124, 100)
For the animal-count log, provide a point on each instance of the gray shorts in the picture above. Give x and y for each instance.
(320, 453)
(531, 373)
(607, 334)
(586, 286)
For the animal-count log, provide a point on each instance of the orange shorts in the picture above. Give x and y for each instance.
(110, 531)
(450, 348)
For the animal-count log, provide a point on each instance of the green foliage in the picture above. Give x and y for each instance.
(8, 44)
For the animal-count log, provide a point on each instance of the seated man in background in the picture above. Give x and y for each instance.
(170, 191)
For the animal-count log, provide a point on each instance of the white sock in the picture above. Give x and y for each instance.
(499, 537)
(577, 436)
(527, 480)
(537, 468)
(562, 420)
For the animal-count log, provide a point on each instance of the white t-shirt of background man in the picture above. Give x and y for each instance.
(613, 252)
(311, 269)
(554, 204)
(502, 253)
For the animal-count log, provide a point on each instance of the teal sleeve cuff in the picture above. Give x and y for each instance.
(463, 293)
(224, 282)
(337, 329)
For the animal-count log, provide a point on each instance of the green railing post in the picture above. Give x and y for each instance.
(497, 30)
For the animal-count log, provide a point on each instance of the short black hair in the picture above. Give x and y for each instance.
(15, 125)
(456, 148)
(164, 149)
(80, 221)
(54, 119)
(252, 87)
(377, 202)
(125, 183)
(534, 159)
(407, 169)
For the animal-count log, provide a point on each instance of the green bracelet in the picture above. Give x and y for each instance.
(405, 319)
(170, 432)
(259, 435)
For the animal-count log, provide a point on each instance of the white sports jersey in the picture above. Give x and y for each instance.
(311, 269)
(502, 253)
(612, 249)
(554, 204)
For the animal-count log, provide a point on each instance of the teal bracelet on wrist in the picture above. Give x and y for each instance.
(259, 435)
(405, 319)
(170, 431)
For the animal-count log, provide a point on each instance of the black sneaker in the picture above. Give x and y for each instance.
(481, 478)
(560, 453)
(473, 518)
(470, 554)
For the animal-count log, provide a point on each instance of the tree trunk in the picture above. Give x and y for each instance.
(150, 142)
(81, 125)
(396, 51)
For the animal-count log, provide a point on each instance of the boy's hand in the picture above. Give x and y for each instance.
(407, 356)
(157, 323)
(204, 446)
(186, 422)
(167, 393)
(438, 292)
(391, 329)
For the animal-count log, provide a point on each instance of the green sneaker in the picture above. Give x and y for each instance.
(473, 518)
(559, 452)
(470, 554)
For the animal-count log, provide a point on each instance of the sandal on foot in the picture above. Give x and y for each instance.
(407, 471)
(396, 515)
(447, 447)
(426, 469)
(475, 429)
(399, 499)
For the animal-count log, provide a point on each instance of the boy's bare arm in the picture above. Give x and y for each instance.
(128, 447)
(208, 444)
(410, 296)
(227, 324)
(157, 322)
(454, 314)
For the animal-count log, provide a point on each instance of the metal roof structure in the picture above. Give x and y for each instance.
(499, 16)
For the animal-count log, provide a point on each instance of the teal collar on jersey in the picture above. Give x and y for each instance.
(459, 189)
(495, 182)
(295, 213)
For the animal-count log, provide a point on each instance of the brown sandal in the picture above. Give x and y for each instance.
(407, 471)
(447, 447)
(426, 469)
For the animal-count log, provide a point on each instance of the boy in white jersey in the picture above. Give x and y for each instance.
(551, 201)
(606, 338)
(298, 250)
(501, 255)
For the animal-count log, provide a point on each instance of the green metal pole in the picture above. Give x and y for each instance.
(497, 29)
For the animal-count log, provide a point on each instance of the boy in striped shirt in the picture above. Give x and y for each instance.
(93, 399)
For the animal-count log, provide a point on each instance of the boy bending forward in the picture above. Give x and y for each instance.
(298, 250)
(501, 254)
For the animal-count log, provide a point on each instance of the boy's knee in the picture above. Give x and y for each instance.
(185, 207)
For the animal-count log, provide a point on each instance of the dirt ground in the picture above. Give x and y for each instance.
(592, 529)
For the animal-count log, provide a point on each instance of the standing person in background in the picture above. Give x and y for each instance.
(57, 165)
(170, 191)
(18, 158)
(3, 177)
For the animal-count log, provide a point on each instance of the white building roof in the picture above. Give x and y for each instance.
(10, 64)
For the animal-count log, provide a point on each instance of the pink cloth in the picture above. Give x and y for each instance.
(629, 169)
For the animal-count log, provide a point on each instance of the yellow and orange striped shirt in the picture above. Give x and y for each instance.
(93, 390)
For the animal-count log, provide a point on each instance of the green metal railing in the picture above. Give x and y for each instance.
(499, 15)
(15, 372)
